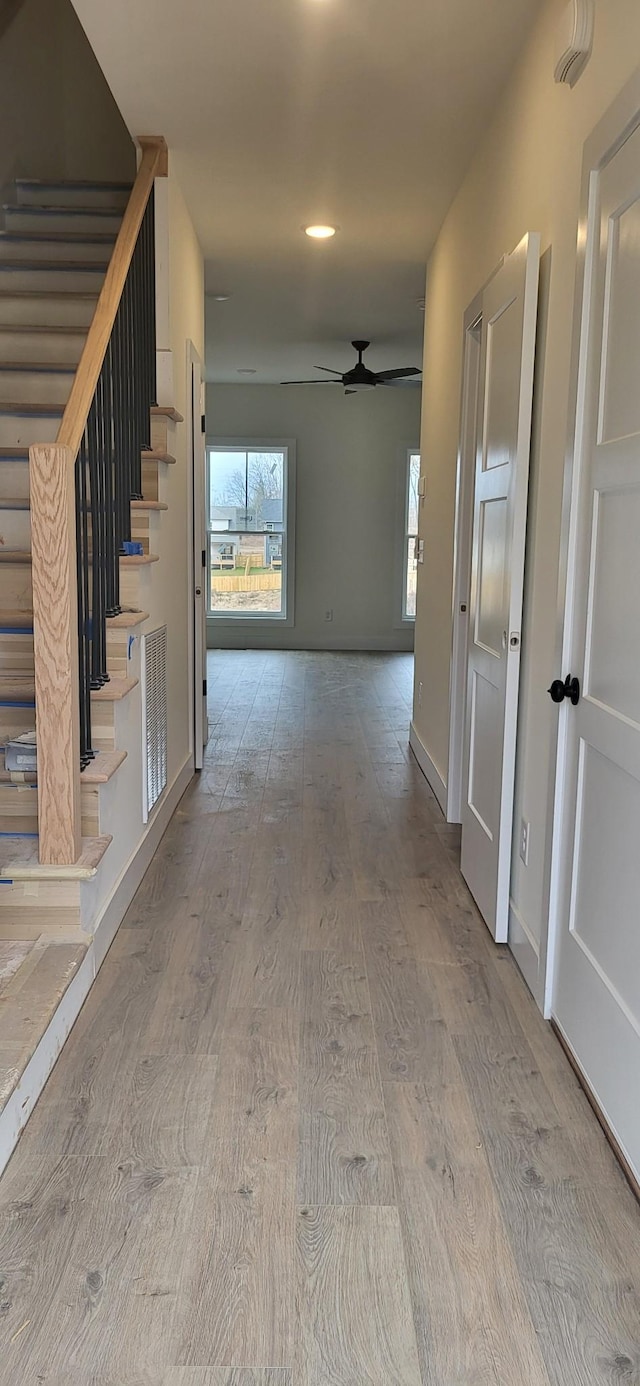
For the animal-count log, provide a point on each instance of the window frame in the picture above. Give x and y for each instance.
(406, 539)
(246, 444)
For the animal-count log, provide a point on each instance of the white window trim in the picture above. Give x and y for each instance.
(214, 621)
(405, 452)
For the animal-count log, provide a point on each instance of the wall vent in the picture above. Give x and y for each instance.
(154, 717)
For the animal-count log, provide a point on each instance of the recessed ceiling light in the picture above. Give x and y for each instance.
(421, 304)
(320, 233)
(246, 370)
(220, 298)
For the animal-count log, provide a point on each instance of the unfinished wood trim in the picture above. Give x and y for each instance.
(104, 765)
(92, 850)
(166, 411)
(158, 143)
(597, 1110)
(126, 619)
(152, 164)
(114, 691)
(55, 651)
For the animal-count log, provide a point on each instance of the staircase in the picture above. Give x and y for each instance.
(55, 249)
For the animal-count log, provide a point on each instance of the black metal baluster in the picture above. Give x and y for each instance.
(112, 565)
(84, 631)
(151, 296)
(108, 471)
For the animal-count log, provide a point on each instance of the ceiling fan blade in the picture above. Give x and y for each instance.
(329, 369)
(310, 382)
(400, 374)
(401, 384)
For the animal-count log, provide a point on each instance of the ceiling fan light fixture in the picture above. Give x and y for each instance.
(320, 232)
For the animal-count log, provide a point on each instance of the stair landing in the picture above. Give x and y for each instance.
(34, 976)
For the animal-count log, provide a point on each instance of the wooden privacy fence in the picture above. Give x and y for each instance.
(256, 582)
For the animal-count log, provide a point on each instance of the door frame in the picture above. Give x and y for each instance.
(196, 676)
(462, 541)
(618, 123)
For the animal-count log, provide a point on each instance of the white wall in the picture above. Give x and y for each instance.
(165, 585)
(526, 176)
(58, 118)
(349, 460)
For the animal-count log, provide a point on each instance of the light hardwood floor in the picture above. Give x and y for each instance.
(309, 1129)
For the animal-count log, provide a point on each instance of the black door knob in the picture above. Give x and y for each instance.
(560, 690)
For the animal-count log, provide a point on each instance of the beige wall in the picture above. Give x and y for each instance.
(526, 176)
(350, 457)
(58, 118)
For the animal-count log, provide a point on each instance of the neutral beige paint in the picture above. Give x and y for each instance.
(285, 112)
(525, 177)
(58, 118)
(350, 455)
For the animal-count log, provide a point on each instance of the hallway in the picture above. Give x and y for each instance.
(309, 1122)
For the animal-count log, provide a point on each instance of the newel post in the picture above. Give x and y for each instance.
(56, 654)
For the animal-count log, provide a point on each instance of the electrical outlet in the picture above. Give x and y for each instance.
(525, 829)
(328, 615)
(420, 693)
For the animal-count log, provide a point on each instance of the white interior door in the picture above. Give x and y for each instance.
(509, 312)
(201, 723)
(596, 998)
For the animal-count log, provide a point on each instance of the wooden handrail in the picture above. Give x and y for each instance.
(153, 164)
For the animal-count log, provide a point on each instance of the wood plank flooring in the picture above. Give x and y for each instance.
(309, 1128)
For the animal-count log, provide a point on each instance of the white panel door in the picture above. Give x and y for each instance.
(509, 313)
(596, 998)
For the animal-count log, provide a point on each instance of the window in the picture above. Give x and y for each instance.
(410, 566)
(249, 530)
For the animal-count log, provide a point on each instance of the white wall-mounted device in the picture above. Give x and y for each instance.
(575, 41)
(422, 486)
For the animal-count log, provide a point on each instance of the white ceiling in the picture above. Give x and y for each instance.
(279, 113)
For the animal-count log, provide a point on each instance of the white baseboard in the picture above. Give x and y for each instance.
(18, 1109)
(525, 951)
(429, 769)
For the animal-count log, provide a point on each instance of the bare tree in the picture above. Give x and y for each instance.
(263, 482)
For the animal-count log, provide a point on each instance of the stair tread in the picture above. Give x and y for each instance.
(166, 411)
(125, 620)
(62, 209)
(114, 691)
(76, 295)
(86, 266)
(19, 688)
(47, 366)
(19, 860)
(103, 767)
(19, 407)
(144, 505)
(22, 620)
(70, 237)
(156, 455)
(44, 969)
(116, 185)
(59, 330)
(138, 560)
(15, 556)
(14, 503)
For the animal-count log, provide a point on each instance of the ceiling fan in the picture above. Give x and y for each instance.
(360, 377)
